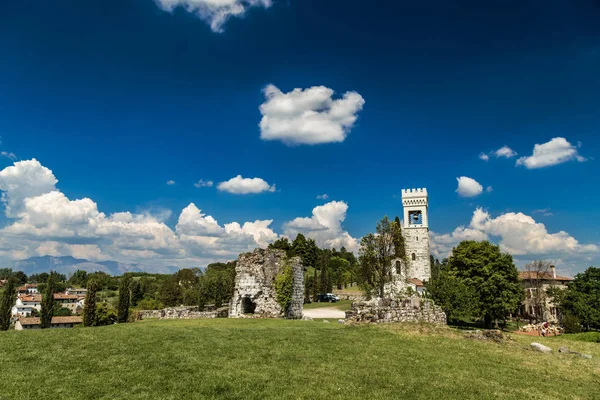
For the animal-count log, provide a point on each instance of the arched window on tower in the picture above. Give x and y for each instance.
(398, 267)
(414, 256)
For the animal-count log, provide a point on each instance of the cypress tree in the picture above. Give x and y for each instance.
(47, 303)
(89, 308)
(6, 305)
(124, 299)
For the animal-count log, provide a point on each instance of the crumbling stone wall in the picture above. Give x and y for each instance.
(182, 313)
(415, 309)
(254, 294)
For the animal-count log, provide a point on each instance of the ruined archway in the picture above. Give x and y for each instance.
(248, 306)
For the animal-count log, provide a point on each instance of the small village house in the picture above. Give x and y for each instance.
(535, 285)
(76, 292)
(57, 322)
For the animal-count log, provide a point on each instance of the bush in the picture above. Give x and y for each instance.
(571, 323)
(149, 304)
(284, 287)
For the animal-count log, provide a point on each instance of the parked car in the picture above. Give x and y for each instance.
(328, 297)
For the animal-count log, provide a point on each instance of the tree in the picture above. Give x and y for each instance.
(60, 311)
(124, 299)
(104, 315)
(375, 256)
(338, 267)
(582, 298)
(283, 244)
(79, 278)
(89, 307)
(6, 303)
(458, 300)
(20, 277)
(48, 302)
(216, 284)
(136, 292)
(492, 274)
(537, 273)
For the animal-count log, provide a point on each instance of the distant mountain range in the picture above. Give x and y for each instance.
(68, 265)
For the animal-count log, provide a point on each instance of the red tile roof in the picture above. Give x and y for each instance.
(416, 282)
(62, 296)
(528, 275)
(55, 320)
(31, 297)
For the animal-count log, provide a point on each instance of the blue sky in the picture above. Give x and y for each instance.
(117, 98)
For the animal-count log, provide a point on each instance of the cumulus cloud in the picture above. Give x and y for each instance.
(517, 233)
(308, 116)
(44, 221)
(324, 226)
(170, 182)
(214, 12)
(239, 185)
(202, 183)
(322, 197)
(484, 157)
(505, 152)
(468, 187)
(556, 151)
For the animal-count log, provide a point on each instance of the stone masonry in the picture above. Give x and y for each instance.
(254, 293)
(182, 313)
(414, 309)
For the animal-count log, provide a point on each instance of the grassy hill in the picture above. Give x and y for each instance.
(276, 359)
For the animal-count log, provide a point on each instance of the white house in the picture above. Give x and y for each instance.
(25, 304)
(76, 292)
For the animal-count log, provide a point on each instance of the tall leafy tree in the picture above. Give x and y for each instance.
(458, 300)
(124, 299)
(6, 303)
(492, 274)
(79, 278)
(89, 307)
(47, 311)
(375, 256)
(283, 244)
(137, 293)
(582, 298)
(338, 267)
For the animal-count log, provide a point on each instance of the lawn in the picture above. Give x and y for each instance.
(277, 359)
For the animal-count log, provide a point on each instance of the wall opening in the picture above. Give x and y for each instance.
(414, 256)
(248, 306)
(398, 267)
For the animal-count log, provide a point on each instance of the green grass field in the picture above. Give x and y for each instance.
(277, 359)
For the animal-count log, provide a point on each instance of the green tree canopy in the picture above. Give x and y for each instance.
(492, 274)
(582, 298)
(6, 302)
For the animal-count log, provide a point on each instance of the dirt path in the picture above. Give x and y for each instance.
(325, 312)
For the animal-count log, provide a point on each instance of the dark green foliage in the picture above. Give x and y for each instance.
(124, 299)
(20, 277)
(42, 277)
(492, 274)
(306, 249)
(6, 303)
(308, 285)
(338, 267)
(571, 323)
(89, 307)
(284, 283)
(399, 245)
(6, 273)
(48, 302)
(169, 292)
(325, 281)
(376, 254)
(315, 286)
(458, 300)
(136, 292)
(283, 244)
(60, 311)
(216, 284)
(79, 278)
(582, 298)
(104, 315)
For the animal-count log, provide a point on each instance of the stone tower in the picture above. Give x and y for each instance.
(416, 232)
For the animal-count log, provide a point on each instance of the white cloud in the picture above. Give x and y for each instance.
(322, 197)
(202, 183)
(170, 182)
(489, 189)
(468, 187)
(325, 226)
(43, 221)
(239, 185)
(10, 156)
(505, 152)
(214, 12)
(556, 151)
(518, 234)
(309, 116)
(484, 157)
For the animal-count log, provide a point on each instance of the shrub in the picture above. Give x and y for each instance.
(283, 287)
(571, 323)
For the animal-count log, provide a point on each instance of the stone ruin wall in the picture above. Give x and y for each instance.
(254, 293)
(182, 313)
(380, 310)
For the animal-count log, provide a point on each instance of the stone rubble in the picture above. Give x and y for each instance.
(540, 347)
(182, 313)
(381, 310)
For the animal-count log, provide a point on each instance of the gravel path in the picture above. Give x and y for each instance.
(325, 312)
